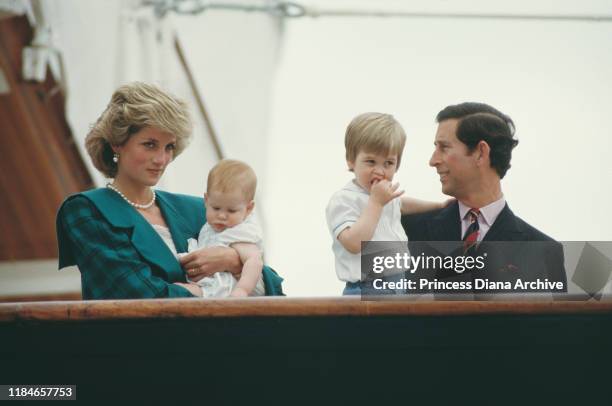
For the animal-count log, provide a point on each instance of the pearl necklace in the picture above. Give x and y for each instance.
(135, 205)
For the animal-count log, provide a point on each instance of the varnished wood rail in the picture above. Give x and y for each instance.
(275, 306)
(315, 351)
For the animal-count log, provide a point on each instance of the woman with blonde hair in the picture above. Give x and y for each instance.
(125, 237)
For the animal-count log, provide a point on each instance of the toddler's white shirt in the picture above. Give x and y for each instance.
(343, 210)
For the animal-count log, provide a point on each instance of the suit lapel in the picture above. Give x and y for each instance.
(507, 246)
(176, 223)
(144, 238)
(444, 230)
(445, 225)
(505, 228)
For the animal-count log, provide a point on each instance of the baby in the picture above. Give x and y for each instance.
(368, 207)
(229, 203)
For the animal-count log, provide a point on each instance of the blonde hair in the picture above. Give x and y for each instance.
(230, 175)
(133, 107)
(374, 132)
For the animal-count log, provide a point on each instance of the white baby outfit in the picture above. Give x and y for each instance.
(221, 284)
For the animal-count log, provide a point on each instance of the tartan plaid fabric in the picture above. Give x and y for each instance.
(119, 254)
(111, 268)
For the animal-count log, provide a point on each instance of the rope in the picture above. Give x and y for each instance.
(194, 7)
(312, 12)
(288, 9)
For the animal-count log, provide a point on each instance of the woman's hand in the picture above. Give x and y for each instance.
(193, 288)
(207, 261)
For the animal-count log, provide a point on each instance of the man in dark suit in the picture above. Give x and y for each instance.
(473, 148)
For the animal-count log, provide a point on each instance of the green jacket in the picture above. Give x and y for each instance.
(120, 255)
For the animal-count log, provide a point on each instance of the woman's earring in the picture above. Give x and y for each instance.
(115, 157)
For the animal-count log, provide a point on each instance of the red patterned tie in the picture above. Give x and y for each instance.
(471, 234)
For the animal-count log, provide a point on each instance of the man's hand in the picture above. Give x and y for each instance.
(194, 288)
(383, 192)
(207, 261)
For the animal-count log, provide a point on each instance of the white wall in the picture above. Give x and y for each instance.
(234, 57)
(287, 116)
(552, 78)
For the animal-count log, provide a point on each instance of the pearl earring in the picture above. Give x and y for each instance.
(115, 157)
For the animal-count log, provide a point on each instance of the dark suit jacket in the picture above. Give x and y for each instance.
(120, 255)
(514, 248)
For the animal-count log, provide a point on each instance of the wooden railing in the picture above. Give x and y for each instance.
(282, 307)
(322, 350)
(41, 297)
